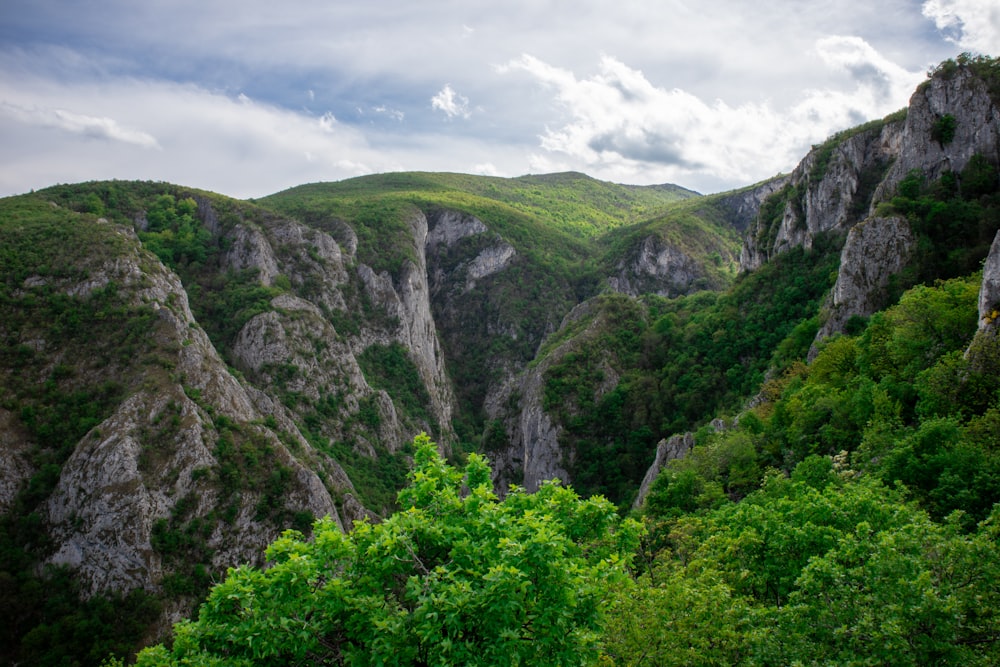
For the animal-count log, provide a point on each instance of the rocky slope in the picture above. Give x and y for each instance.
(829, 191)
(837, 190)
(168, 442)
(296, 338)
(185, 375)
(841, 183)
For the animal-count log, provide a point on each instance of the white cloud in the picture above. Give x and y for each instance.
(327, 122)
(394, 114)
(486, 169)
(233, 145)
(971, 24)
(94, 127)
(617, 123)
(708, 95)
(451, 103)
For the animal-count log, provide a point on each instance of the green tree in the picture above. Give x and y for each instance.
(919, 594)
(823, 568)
(457, 577)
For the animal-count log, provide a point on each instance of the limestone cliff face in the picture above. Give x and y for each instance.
(875, 250)
(657, 267)
(447, 230)
(858, 173)
(667, 450)
(984, 350)
(298, 333)
(410, 302)
(674, 447)
(963, 97)
(830, 190)
(197, 447)
(743, 206)
(159, 447)
(478, 297)
(15, 446)
(882, 247)
(989, 293)
(535, 453)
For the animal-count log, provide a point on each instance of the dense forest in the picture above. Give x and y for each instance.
(839, 505)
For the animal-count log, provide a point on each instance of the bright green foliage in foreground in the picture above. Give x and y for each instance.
(866, 527)
(454, 578)
(819, 569)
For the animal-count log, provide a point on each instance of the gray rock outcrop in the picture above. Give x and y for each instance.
(656, 267)
(15, 448)
(875, 251)
(743, 206)
(879, 247)
(829, 191)
(674, 447)
(989, 292)
(136, 466)
(535, 453)
(966, 99)
(299, 334)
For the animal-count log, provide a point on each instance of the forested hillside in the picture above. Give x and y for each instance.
(789, 389)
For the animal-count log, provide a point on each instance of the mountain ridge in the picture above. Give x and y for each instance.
(186, 374)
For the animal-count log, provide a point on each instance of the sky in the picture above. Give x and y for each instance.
(252, 97)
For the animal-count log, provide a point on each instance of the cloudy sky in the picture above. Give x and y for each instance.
(248, 98)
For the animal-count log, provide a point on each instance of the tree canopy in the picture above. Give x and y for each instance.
(456, 577)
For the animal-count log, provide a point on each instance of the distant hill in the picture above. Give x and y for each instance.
(185, 375)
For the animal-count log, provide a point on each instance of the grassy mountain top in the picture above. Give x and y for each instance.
(563, 222)
(572, 202)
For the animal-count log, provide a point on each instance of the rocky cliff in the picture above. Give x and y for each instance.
(184, 375)
(828, 192)
(141, 431)
(656, 266)
(843, 185)
(297, 337)
(951, 118)
(989, 294)
(876, 249)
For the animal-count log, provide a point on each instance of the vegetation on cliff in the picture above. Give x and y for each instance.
(457, 576)
(844, 510)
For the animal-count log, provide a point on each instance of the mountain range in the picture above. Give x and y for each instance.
(185, 375)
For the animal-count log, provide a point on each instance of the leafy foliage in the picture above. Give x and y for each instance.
(173, 234)
(390, 368)
(453, 578)
(47, 621)
(954, 218)
(818, 569)
(681, 361)
(901, 397)
(943, 130)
